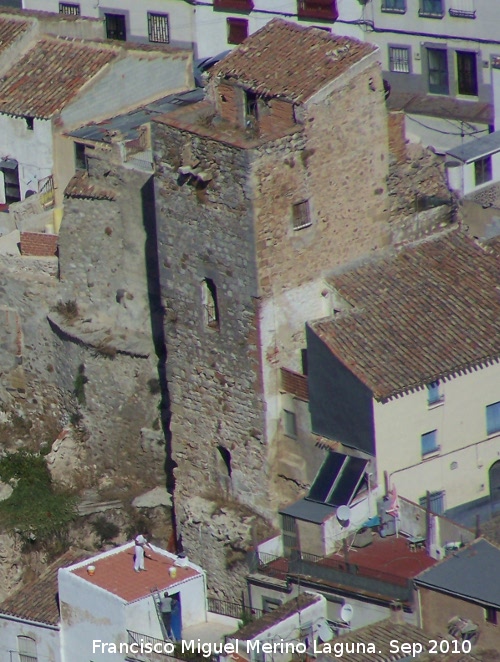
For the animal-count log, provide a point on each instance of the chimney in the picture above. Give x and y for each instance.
(397, 614)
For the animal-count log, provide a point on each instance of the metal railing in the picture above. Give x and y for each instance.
(337, 571)
(232, 609)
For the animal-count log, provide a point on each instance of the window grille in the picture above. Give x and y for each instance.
(399, 59)
(301, 215)
(69, 8)
(158, 30)
(396, 6)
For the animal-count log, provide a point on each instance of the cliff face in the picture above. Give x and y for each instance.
(82, 356)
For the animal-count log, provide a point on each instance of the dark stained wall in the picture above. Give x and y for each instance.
(341, 407)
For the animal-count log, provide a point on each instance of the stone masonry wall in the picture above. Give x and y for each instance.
(213, 373)
(339, 164)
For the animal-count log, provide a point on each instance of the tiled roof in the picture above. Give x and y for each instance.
(38, 601)
(288, 60)
(441, 106)
(418, 315)
(49, 75)
(114, 572)
(9, 31)
(80, 186)
(277, 615)
(381, 635)
(294, 383)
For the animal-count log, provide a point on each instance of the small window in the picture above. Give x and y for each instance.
(467, 73)
(303, 360)
(431, 9)
(491, 615)
(437, 62)
(436, 502)
(30, 123)
(301, 215)
(396, 6)
(116, 26)
(251, 105)
(158, 31)
(434, 394)
(80, 157)
(210, 304)
(493, 418)
(27, 649)
(69, 8)
(237, 30)
(290, 423)
(270, 604)
(428, 442)
(399, 59)
(482, 170)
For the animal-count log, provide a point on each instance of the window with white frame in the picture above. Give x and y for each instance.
(399, 59)
(462, 8)
(483, 171)
(431, 9)
(158, 29)
(396, 6)
(428, 443)
(69, 8)
(434, 394)
(27, 649)
(493, 418)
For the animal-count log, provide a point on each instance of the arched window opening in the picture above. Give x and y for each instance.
(226, 456)
(210, 305)
(27, 649)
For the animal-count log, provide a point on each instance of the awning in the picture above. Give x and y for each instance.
(476, 149)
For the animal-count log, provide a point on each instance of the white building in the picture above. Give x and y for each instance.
(29, 619)
(406, 372)
(115, 604)
(209, 27)
(94, 81)
(437, 54)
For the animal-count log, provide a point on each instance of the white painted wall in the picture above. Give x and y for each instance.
(483, 26)
(45, 636)
(460, 421)
(180, 15)
(88, 613)
(31, 149)
(128, 83)
(289, 629)
(273, 546)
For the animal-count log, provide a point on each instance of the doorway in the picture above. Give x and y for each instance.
(494, 475)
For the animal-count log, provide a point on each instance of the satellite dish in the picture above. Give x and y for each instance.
(343, 514)
(346, 613)
(325, 632)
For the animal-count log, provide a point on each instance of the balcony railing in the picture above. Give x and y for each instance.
(233, 5)
(322, 10)
(232, 609)
(462, 8)
(337, 571)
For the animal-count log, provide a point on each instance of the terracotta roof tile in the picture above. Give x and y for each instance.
(80, 186)
(288, 60)
(115, 573)
(381, 635)
(10, 30)
(418, 315)
(49, 75)
(38, 601)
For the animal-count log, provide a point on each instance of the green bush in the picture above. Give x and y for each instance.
(105, 529)
(35, 510)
